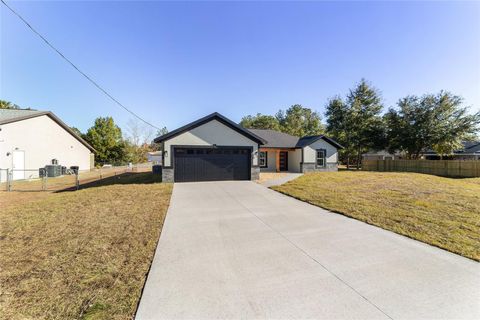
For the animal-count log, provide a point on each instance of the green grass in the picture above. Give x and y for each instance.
(443, 212)
(81, 254)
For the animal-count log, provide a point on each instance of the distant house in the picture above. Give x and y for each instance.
(216, 148)
(31, 139)
(470, 151)
(382, 155)
(155, 157)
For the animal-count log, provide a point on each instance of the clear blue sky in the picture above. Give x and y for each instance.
(174, 62)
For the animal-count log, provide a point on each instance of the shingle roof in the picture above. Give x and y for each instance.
(9, 115)
(472, 147)
(276, 139)
(14, 115)
(305, 141)
(469, 147)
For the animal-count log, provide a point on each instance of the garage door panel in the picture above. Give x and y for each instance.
(211, 164)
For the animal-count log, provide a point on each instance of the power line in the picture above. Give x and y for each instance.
(76, 68)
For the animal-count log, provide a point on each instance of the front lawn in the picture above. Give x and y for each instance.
(80, 254)
(443, 212)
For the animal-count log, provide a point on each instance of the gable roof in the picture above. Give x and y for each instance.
(214, 116)
(14, 115)
(276, 139)
(306, 141)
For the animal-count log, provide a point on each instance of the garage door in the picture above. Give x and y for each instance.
(211, 164)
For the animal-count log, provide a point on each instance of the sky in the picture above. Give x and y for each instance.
(174, 62)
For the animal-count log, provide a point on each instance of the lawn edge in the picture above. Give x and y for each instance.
(372, 224)
(154, 252)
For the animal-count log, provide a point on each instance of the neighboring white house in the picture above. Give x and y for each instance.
(216, 148)
(30, 139)
(155, 157)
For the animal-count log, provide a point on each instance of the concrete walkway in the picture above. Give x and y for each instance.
(233, 250)
(284, 179)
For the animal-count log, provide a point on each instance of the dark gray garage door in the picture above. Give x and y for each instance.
(211, 164)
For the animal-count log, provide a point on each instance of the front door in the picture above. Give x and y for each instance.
(18, 165)
(283, 161)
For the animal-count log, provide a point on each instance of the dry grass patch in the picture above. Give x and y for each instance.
(443, 212)
(266, 176)
(83, 254)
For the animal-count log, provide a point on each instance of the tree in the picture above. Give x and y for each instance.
(300, 121)
(357, 123)
(338, 125)
(139, 141)
(8, 105)
(366, 123)
(260, 121)
(296, 120)
(431, 121)
(78, 132)
(106, 138)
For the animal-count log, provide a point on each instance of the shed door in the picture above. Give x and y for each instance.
(18, 165)
(211, 164)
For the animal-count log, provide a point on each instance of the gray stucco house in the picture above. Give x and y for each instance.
(216, 148)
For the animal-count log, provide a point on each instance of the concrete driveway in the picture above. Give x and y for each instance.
(239, 250)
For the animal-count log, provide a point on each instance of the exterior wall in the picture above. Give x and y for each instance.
(42, 140)
(255, 173)
(167, 175)
(294, 160)
(309, 157)
(271, 164)
(208, 134)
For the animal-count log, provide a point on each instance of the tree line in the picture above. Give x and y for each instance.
(360, 123)
(113, 147)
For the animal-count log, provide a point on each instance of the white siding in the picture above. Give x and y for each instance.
(210, 133)
(42, 140)
(309, 152)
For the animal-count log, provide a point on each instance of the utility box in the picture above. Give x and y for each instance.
(53, 170)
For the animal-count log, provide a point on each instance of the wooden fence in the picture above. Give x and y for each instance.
(446, 168)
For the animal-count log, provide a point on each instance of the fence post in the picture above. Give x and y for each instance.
(9, 180)
(44, 181)
(77, 181)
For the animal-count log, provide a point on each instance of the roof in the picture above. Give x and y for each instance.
(276, 139)
(469, 147)
(214, 116)
(14, 115)
(472, 147)
(305, 141)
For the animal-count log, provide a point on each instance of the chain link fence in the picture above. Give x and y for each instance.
(36, 180)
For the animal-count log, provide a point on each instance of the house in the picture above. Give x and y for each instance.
(469, 151)
(382, 155)
(216, 148)
(31, 139)
(155, 157)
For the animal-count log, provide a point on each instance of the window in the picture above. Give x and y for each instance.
(262, 159)
(320, 161)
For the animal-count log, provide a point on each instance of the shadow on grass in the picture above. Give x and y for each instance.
(124, 178)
